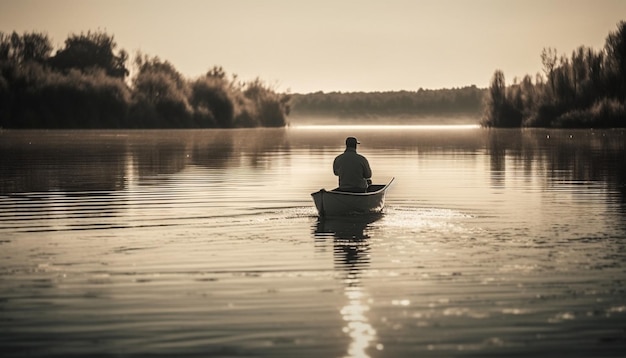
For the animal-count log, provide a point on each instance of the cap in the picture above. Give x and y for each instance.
(352, 142)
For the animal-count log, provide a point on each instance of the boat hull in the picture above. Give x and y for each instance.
(334, 202)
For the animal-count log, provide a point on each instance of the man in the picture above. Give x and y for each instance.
(352, 169)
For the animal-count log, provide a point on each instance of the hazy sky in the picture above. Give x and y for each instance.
(305, 46)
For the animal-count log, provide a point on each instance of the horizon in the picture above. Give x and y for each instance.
(326, 46)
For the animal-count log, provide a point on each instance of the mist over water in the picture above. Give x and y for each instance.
(207, 243)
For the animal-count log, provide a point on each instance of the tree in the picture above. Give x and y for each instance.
(504, 106)
(150, 66)
(22, 49)
(160, 95)
(212, 102)
(36, 47)
(496, 100)
(549, 60)
(94, 50)
(616, 57)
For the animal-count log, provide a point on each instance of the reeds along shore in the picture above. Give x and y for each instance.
(86, 84)
(588, 89)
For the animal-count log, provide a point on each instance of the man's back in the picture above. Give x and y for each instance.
(353, 170)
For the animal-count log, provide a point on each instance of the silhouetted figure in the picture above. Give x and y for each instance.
(353, 169)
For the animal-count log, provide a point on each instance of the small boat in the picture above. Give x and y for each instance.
(335, 202)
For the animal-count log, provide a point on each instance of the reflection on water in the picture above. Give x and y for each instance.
(581, 156)
(346, 228)
(41, 161)
(352, 256)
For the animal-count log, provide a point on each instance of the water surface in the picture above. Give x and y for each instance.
(207, 243)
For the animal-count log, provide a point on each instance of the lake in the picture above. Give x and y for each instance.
(185, 243)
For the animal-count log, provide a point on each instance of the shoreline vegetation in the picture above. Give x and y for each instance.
(585, 90)
(86, 84)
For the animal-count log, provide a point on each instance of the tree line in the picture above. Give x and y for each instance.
(86, 84)
(456, 101)
(586, 89)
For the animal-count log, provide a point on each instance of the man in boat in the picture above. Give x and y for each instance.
(353, 169)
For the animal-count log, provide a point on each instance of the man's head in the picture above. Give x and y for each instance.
(351, 142)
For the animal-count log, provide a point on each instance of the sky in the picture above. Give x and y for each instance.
(303, 46)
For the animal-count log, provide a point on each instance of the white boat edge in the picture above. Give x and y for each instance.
(350, 203)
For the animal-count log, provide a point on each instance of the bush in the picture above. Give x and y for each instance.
(270, 107)
(212, 103)
(606, 113)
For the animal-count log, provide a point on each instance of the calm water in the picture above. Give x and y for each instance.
(206, 243)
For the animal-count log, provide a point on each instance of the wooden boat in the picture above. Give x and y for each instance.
(335, 202)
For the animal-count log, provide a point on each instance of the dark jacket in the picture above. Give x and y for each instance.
(353, 170)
